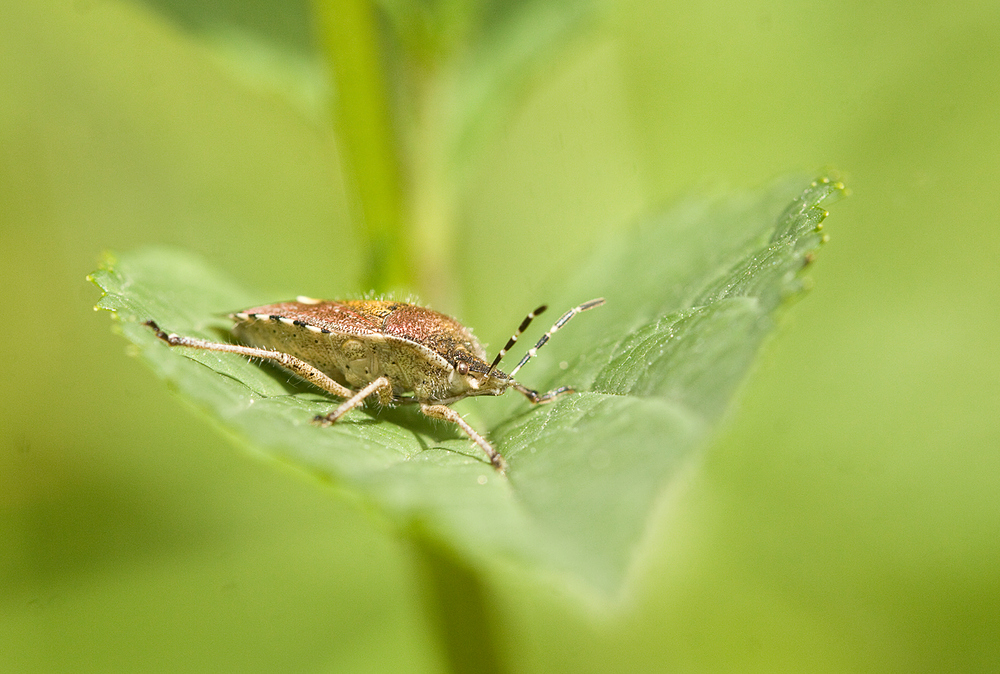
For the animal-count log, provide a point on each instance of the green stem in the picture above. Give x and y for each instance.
(368, 139)
(456, 603)
(432, 192)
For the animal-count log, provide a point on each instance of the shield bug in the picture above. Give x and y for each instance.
(395, 352)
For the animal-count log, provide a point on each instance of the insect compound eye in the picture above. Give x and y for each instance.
(462, 367)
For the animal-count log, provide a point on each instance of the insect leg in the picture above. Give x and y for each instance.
(299, 367)
(537, 398)
(447, 414)
(380, 386)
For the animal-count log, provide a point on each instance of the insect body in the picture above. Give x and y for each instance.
(397, 352)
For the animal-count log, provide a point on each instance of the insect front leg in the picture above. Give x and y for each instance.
(381, 386)
(299, 367)
(447, 414)
(537, 398)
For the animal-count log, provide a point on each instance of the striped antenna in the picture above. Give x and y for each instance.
(513, 339)
(558, 324)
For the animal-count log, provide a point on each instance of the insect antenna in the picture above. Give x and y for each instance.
(513, 339)
(558, 324)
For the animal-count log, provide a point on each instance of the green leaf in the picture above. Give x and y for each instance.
(516, 48)
(483, 58)
(692, 295)
(283, 23)
(265, 44)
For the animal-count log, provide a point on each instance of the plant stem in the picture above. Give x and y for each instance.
(368, 138)
(432, 191)
(456, 604)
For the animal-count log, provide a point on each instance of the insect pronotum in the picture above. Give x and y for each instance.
(393, 351)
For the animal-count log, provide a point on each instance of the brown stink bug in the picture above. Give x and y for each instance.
(399, 353)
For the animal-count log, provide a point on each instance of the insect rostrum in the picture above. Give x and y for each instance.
(401, 353)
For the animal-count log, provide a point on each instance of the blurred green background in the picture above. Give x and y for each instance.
(846, 520)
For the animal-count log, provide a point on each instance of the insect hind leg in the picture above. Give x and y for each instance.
(303, 369)
(289, 362)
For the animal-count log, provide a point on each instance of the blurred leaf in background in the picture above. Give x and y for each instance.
(845, 521)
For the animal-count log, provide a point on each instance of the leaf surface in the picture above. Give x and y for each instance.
(692, 295)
